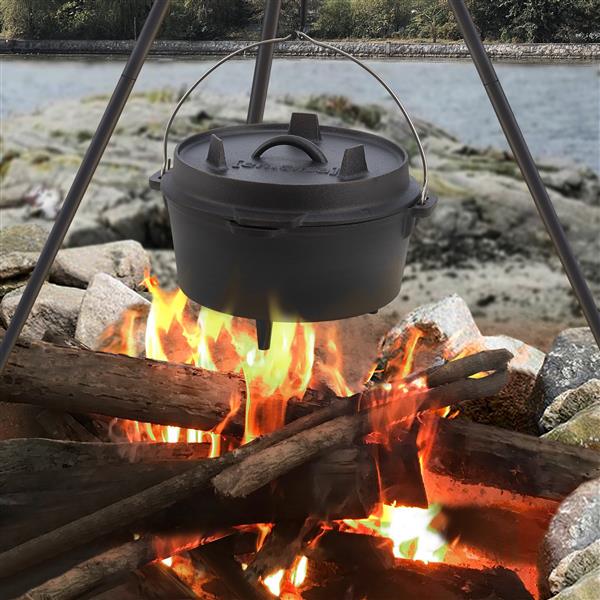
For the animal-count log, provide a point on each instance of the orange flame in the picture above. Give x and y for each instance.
(176, 332)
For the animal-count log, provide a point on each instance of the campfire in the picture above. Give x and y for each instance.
(211, 469)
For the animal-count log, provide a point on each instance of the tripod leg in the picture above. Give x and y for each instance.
(530, 172)
(264, 60)
(84, 175)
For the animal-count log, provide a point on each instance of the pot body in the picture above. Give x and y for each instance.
(316, 273)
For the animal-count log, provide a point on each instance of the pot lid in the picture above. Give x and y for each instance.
(301, 174)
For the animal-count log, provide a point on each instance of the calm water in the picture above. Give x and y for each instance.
(558, 105)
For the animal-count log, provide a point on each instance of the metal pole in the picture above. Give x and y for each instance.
(84, 175)
(264, 60)
(527, 165)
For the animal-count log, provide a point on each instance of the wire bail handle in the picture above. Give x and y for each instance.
(303, 36)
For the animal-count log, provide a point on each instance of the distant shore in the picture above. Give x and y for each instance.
(363, 48)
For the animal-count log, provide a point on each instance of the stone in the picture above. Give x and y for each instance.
(108, 302)
(510, 408)
(435, 331)
(14, 264)
(164, 268)
(586, 588)
(575, 566)
(569, 403)
(573, 360)
(581, 430)
(22, 238)
(126, 261)
(574, 527)
(54, 313)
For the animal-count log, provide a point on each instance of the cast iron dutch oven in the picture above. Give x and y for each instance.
(291, 223)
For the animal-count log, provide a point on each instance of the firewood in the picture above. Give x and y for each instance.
(80, 381)
(158, 582)
(478, 454)
(259, 468)
(352, 551)
(218, 558)
(342, 483)
(307, 436)
(151, 500)
(281, 546)
(90, 574)
(411, 579)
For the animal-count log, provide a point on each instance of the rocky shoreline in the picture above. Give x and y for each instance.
(362, 48)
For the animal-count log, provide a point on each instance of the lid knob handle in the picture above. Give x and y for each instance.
(310, 148)
(354, 163)
(216, 153)
(305, 125)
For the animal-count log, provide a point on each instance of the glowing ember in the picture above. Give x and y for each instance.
(409, 529)
(287, 582)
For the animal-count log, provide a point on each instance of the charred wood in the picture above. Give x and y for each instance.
(417, 580)
(219, 559)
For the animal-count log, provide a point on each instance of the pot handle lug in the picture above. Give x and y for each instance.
(155, 180)
(310, 148)
(421, 211)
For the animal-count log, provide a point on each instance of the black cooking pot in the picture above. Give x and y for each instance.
(298, 223)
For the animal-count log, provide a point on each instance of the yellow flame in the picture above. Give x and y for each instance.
(408, 528)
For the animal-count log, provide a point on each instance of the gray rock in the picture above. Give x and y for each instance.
(129, 220)
(126, 261)
(441, 330)
(54, 313)
(105, 304)
(22, 238)
(569, 403)
(573, 360)
(575, 526)
(587, 588)
(164, 268)
(510, 408)
(581, 430)
(14, 264)
(575, 566)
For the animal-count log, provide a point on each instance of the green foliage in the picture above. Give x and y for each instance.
(378, 18)
(335, 19)
(507, 20)
(431, 19)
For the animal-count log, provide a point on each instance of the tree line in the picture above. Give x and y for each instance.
(504, 20)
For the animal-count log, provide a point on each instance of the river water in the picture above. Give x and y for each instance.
(558, 105)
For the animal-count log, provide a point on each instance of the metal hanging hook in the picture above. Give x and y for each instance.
(304, 36)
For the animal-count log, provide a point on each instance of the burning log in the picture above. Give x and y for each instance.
(158, 582)
(418, 580)
(259, 468)
(218, 557)
(352, 550)
(80, 381)
(342, 483)
(113, 565)
(324, 429)
(471, 453)
(280, 548)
